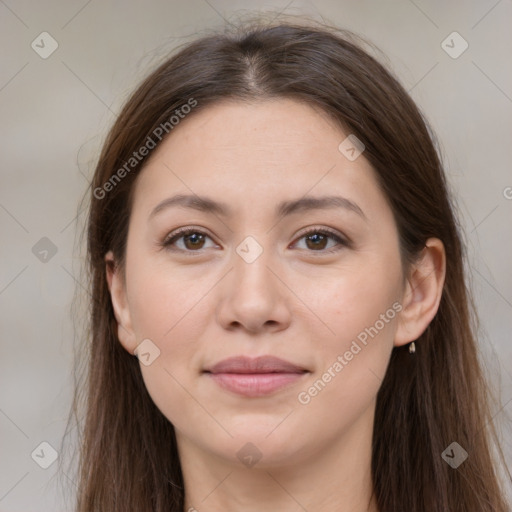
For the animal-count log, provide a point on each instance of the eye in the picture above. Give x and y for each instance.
(191, 239)
(322, 240)
(187, 239)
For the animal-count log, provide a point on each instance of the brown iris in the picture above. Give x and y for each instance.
(194, 241)
(318, 240)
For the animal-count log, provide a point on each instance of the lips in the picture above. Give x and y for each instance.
(262, 364)
(255, 377)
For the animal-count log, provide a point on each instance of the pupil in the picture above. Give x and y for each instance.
(318, 240)
(194, 239)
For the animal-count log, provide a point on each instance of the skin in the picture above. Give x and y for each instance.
(295, 301)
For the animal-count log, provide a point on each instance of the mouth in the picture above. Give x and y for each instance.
(255, 377)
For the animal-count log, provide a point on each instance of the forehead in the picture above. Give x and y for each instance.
(255, 152)
(279, 129)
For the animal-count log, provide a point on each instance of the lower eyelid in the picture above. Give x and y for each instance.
(340, 243)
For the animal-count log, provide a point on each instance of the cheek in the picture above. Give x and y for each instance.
(359, 313)
(174, 323)
(353, 361)
(353, 303)
(366, 315)
(168, 378)
(163, 300)
(172, 317)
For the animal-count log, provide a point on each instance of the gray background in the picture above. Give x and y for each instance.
(55, 112)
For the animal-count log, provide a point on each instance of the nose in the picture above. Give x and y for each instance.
(253, 298)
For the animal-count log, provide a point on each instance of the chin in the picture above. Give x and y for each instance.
(261, 448)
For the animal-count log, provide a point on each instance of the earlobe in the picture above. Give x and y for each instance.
(423, 292)
(120, 305)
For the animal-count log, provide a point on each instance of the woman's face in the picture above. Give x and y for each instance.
(292, 253)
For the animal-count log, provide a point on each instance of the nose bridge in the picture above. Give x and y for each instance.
(252, 297)
(250, 261)
(251, 250)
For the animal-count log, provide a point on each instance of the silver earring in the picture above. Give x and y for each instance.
(412, 347)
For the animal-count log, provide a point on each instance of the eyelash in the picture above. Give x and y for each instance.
(182, 232)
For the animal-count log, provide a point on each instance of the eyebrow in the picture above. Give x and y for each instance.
(285, 208)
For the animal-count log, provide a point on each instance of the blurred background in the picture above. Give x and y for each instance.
(66, 69)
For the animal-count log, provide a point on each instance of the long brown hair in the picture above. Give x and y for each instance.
(128, 453)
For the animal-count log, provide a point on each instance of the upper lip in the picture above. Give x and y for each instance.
(262, 364)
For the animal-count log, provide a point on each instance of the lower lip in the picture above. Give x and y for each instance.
(255, 384)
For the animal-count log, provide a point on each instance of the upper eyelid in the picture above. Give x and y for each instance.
(180, 232)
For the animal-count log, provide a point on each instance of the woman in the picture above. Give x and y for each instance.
(279, 316)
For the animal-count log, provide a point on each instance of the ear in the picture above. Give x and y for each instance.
(117, 288)
(423, 292)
